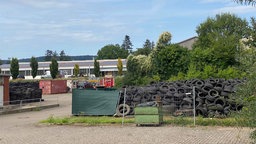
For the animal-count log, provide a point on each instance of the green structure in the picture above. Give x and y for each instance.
(148, 115)
(94, 102)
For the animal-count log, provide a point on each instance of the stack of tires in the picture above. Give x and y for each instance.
(26, 91)
(212, 96)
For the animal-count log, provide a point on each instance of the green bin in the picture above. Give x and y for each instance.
(148, 116)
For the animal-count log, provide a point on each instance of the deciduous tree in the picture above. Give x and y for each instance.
(218, 41)
(112, 52)
(171, 60)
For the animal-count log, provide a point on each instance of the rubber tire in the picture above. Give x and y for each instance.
(119, 110)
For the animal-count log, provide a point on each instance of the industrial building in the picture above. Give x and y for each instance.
(66, 68)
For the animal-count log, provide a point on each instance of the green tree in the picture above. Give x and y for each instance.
(112, 52)
(251, 39)
(63, 56)
(14, 68)
(120, 67)
(147, 48)
(48, 55)
(247, 56)
(96, 68)
(218, 40)
(163, 40)
(138, 68)
(55, 55)
(171, 60)
(246, 94)
(76, 69)
(54, 68)
(34, 66)
(127, 44)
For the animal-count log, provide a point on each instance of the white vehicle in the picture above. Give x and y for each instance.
(46, 75)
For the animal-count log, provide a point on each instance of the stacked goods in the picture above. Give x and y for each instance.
(212, 96)
(26, 91)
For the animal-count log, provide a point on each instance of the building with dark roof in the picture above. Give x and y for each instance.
(107, 67)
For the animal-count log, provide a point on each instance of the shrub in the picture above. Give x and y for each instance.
(246, 93)
(119, 81)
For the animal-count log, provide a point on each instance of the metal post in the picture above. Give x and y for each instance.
(57, 99)
(124, 106)
(194, 105)
(20, 103)
(40, 103)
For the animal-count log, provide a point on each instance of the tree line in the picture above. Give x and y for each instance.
(115, 51)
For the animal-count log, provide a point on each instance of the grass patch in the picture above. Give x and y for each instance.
(87, 120)
(106, 120)
(200, 121)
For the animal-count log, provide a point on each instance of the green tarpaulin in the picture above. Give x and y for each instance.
(94, 102)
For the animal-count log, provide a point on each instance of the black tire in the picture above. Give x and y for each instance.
(220, 101)
(208, 84)
(131, 111)
(172, 90)
(228, 88)
(201, 95)
(199, 83)
(205, 89)
(211, 81)
(213, 93)
(216, 107)
(219, 87)
(210, 98)
(137, 97)
(188, 100)
(181, 91)
(225, 94)
(167, 99)
(164, 88)
(201, 111)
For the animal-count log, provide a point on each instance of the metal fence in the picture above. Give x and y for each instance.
(208, 98)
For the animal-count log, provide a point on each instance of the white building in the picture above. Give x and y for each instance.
(107, 67)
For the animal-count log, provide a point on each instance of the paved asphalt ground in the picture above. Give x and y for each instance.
(23, 128)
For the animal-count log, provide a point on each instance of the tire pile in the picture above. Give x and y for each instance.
(27, 91)
(213, 96)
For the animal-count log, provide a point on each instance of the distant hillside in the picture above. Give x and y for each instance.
(42, 58)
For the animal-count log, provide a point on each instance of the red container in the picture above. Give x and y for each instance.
(107, 82)
(53, 86)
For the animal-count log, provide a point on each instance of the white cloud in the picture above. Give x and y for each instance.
(236, 9)
(215, 1)
(45, 3)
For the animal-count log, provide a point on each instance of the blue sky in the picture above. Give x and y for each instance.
(82, 27)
